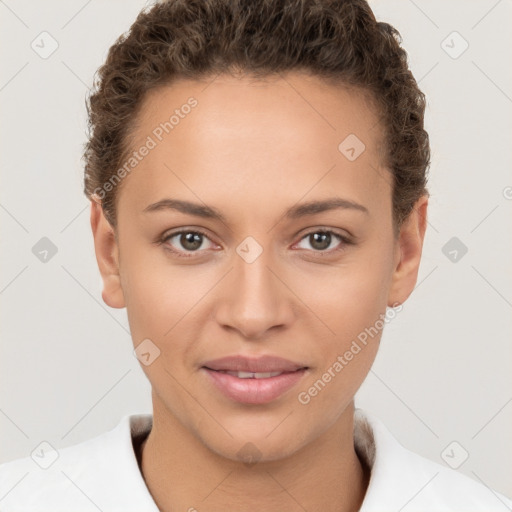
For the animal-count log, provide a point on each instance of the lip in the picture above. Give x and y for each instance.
(254, 390)
(266, 363)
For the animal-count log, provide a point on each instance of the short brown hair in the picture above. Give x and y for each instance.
(333, 39)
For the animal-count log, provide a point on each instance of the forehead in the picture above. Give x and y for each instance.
(284, 133)
(273, 103)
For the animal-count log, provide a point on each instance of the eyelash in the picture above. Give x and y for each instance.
(345, 241)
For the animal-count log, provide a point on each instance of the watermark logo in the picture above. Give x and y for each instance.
(249, 454)
(44, 250)
(455, 455)
(44, 455)
(351, 147)
(454, 249)
(454, 45)
(146, 352)
(44, 45)
(249, 250)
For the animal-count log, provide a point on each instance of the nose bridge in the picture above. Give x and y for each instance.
(256, 298)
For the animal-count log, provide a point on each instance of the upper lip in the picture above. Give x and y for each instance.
(263, 364)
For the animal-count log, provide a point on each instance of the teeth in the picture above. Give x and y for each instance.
(251, 375)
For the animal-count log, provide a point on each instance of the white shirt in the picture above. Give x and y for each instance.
(102, 474)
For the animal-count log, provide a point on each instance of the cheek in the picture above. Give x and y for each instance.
(154, 301)
(345, 345)
(165, 303)
(349, 304)
(351, 329)
(348, 298)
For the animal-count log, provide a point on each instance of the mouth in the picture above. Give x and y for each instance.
(250, 375)
(253, 365)
(253, 381)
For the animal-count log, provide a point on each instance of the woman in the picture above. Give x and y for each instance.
(257, 177)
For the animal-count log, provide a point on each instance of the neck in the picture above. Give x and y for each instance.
(181, 473)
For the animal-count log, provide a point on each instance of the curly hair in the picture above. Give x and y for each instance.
(337, 40)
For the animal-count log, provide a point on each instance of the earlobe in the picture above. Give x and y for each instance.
(410, 245)
(107, 257)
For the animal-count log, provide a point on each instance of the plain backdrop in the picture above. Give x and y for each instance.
(442, 381)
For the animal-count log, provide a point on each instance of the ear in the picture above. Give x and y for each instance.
(408, 253)
(107, 256)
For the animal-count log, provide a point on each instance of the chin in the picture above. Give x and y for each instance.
(260, 443)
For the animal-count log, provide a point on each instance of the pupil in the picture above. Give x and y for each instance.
(191, 241)
(324, 237)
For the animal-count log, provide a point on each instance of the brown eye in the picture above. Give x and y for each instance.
(320, 241)
(325, 241)
(185, 241)
(190, 241)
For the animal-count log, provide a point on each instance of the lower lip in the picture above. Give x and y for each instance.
(254, 391)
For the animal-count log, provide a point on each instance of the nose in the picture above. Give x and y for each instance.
(255, 298)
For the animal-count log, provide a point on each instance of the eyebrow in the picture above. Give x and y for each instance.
(295, 212)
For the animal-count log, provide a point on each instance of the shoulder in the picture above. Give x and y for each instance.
(404, 480)
(97, 474)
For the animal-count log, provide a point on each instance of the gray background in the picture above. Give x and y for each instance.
(444, 370)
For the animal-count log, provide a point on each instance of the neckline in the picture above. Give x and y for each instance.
(138, 442)
(364, 445)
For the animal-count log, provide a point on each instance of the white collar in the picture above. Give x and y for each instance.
(102, 473)
(400, 479)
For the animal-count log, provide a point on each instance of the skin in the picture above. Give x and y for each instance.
(252, 149)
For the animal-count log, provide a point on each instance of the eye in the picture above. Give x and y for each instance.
(189, 240)
(321, 239)
(185, 242)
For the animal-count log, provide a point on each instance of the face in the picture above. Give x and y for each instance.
(282, 246)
